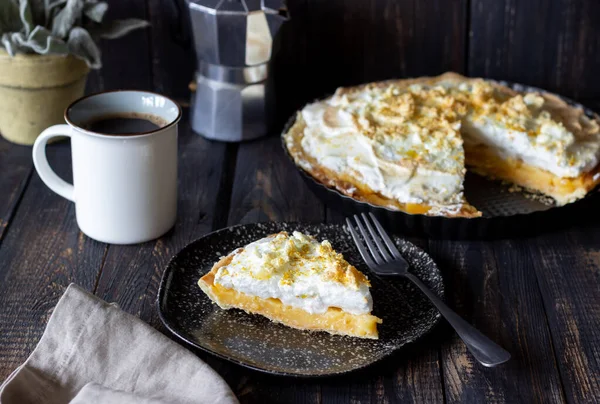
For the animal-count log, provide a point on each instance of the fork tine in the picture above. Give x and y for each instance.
(370, 245)
(361, 248)
(378, 241)
(390, 244)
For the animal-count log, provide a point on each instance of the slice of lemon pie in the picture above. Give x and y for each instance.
(404, 144)
(296, 281)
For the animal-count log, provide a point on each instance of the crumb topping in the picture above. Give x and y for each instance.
(415, 127)
(296, 256)
(433, 114)
(299, 271)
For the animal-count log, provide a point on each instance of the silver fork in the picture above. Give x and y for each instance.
(382, 256)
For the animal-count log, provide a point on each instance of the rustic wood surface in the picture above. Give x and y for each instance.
(538, 296)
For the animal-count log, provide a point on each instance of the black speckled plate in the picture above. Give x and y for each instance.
(255, 342)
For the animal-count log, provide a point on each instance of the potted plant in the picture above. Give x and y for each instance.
(46, 51)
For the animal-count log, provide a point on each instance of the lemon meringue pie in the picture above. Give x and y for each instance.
(296, 281)
(404, 144)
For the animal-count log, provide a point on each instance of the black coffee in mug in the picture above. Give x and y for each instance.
(125, 124)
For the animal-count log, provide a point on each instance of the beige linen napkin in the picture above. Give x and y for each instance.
(93, 352)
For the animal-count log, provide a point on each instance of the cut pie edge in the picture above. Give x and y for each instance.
(563, 190)
(333, 321)
(349, 186)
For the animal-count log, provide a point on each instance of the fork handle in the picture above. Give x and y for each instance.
(483, 349)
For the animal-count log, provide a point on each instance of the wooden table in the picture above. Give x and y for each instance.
(537, 297)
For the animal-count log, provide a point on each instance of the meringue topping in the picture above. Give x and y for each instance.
(299, 271)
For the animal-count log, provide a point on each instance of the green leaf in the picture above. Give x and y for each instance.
(82, 45)
(26, 16)
(118, 28)
(39, 41)
(67, 18)
(55, 26)
(52, 9)
(95, 11)
(8, 43)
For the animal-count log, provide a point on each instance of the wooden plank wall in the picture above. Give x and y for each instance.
(554, 44)
(550, 44)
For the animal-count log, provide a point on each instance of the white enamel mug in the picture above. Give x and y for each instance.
(124, 186)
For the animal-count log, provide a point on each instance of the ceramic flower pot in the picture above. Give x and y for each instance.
(34, 92)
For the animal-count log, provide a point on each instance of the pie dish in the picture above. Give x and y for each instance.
(296, 281)
(405, 145)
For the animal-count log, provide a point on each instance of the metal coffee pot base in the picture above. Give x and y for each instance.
(229, 112)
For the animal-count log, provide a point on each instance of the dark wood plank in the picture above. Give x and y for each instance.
(593, 104)
(334, 43)
(94, 83)
(42, 253)
(553, 45)
(260, 389)
(567, 266)
(126, 61)
(414, 38)
(290, 71)
(493, 286)
(411, 376)
(131, 274)
(15, 169)
(267, 187)
(173, 60)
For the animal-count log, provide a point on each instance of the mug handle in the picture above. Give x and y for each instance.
(50, 178)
